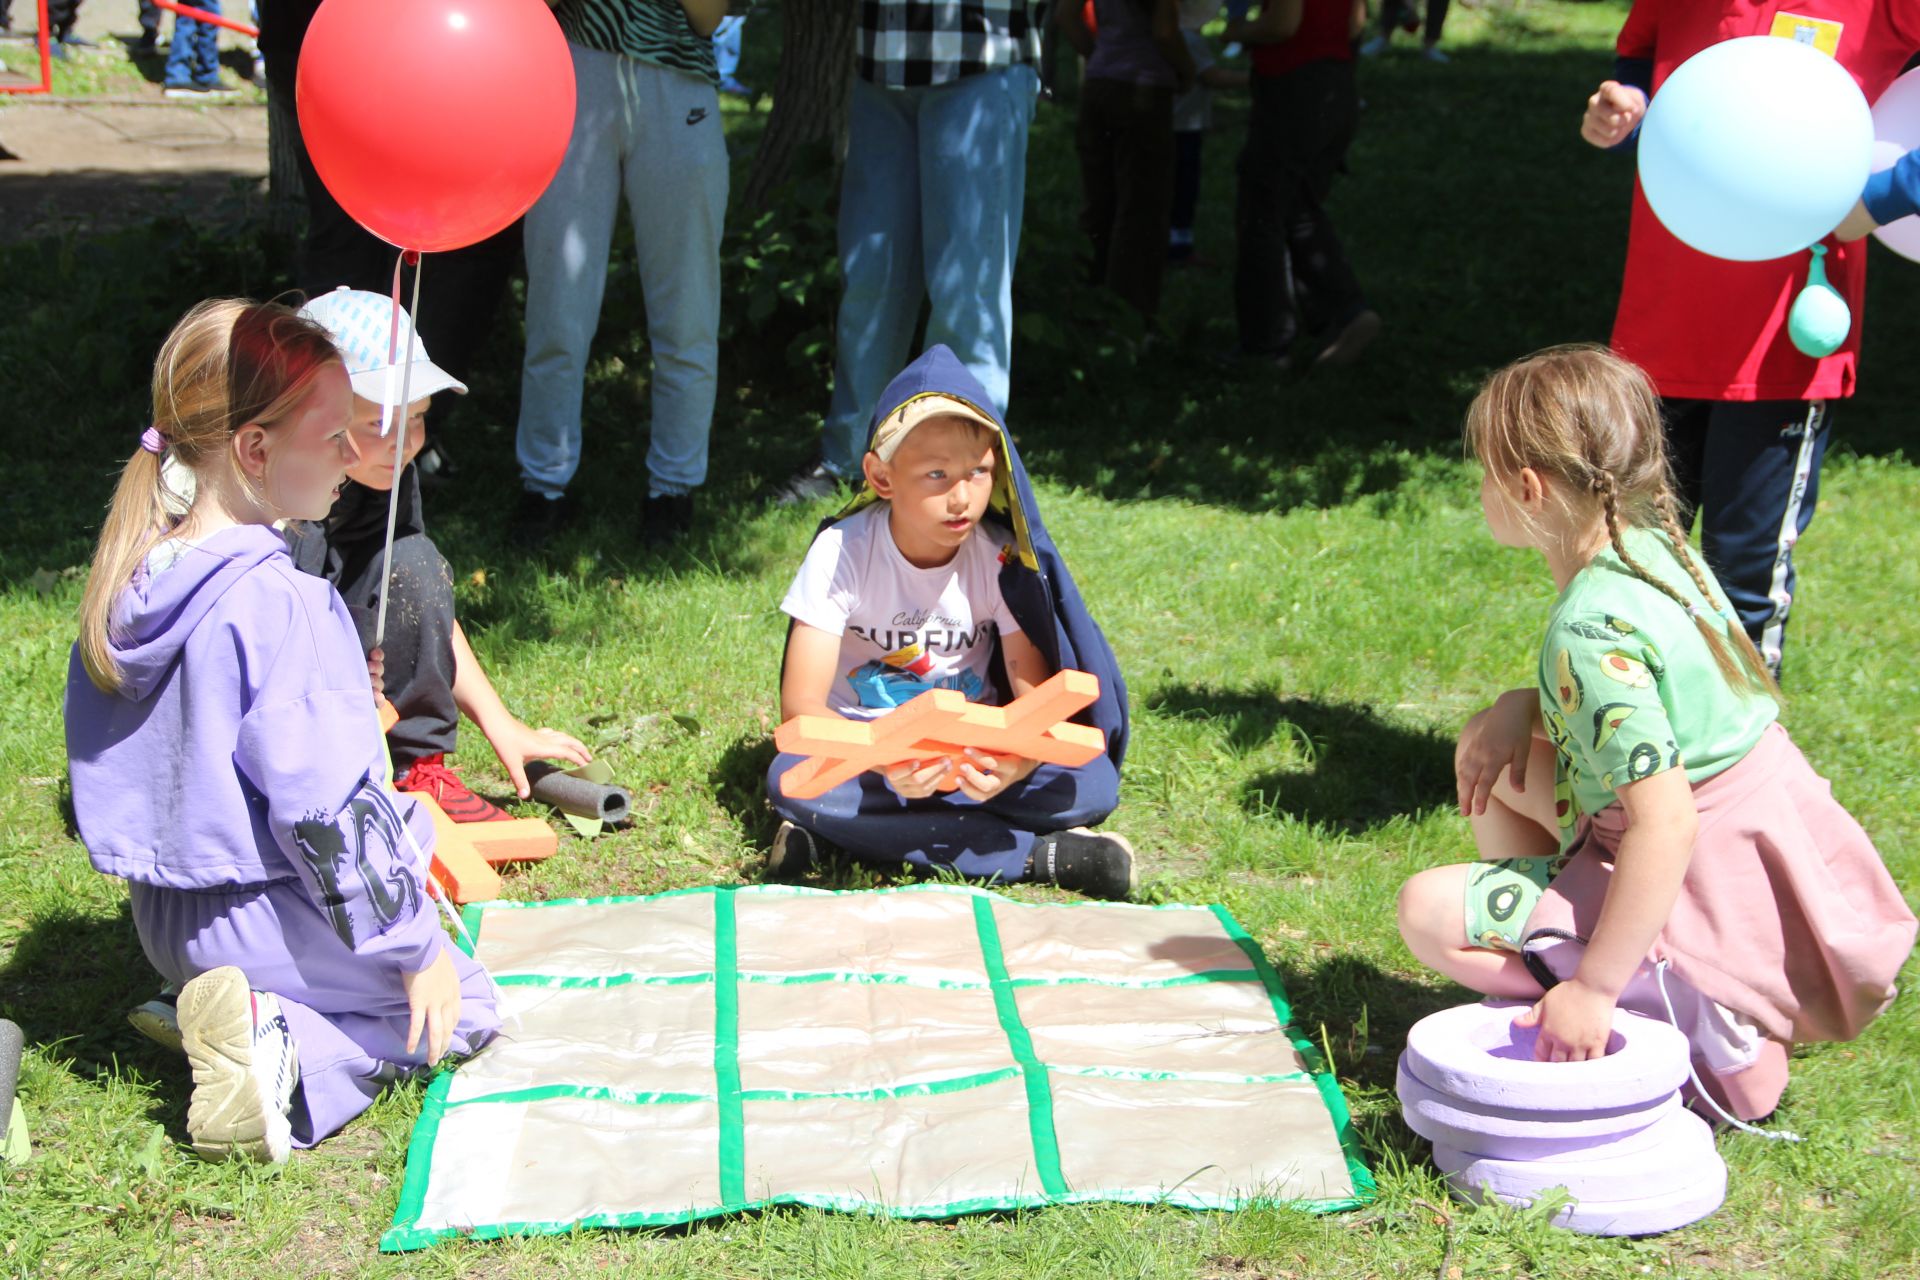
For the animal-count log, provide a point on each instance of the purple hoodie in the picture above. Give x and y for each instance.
(244, 748)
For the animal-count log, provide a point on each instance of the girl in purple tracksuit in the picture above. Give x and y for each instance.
(227, 760)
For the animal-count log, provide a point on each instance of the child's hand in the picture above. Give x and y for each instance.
(1856, 224)
(1613, 112)
(982, 775)
(1496, 741)
(516, 743)
(377, 673)
(916, 779)
(433, 1001)
(1574, 1020)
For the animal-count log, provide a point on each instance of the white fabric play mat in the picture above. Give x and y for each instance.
(918, 1052)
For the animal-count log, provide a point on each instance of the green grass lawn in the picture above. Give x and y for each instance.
(1293, 570)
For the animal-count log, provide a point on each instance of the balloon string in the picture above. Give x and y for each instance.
(400, 433)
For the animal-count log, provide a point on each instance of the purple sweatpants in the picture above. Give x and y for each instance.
(348, 1014)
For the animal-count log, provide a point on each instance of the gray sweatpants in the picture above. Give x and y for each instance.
(653, 133)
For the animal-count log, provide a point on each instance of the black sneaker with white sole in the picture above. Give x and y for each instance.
(796, 851)
(1098, 864)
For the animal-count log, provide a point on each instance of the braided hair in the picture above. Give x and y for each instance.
(1591, 419)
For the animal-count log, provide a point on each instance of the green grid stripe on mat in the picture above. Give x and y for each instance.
(1363, 1184)
(726, 1052)
(406, 1233)
(1046, 1144)
(858, 977)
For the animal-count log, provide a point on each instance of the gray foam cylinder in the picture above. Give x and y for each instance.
(11, 1043)
(577, 796)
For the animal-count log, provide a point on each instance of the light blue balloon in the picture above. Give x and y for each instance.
(1755, 148)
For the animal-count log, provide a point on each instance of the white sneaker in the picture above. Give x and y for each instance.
(1374, 47)
(244, 1069)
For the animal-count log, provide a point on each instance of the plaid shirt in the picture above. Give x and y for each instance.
(909, 43)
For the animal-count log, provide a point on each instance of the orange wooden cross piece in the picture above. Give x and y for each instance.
(941, 722)
(465, 855)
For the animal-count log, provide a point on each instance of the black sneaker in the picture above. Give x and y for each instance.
(795, 852)
(538, 517)
(1097, 864)
(665, 519)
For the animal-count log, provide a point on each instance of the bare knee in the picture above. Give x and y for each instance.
(1429, 910)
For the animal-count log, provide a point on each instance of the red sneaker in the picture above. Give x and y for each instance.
(431, 776)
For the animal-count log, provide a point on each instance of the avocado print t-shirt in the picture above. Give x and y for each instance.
(1628, 687)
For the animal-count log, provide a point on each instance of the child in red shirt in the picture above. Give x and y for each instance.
(1748, 416)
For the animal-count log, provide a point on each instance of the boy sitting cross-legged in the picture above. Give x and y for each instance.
(940, 575)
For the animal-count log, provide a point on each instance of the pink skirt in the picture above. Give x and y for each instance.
(1787, 915)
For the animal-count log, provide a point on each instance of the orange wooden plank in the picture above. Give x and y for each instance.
(516, 840)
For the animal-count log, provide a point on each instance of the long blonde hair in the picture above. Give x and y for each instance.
(1591, 420)
(228, 362)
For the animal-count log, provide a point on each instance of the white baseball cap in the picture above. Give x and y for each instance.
(359, 323)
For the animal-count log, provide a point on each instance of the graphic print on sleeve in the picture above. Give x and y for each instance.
(356, 857)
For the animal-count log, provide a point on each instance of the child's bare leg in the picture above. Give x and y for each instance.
(1432, 920)
(1516, 824)
(1521, 824)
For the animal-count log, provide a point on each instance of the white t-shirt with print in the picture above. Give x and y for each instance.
(903, 630)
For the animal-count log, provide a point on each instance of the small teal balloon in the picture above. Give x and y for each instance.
(1820, 318)
(1755, 148)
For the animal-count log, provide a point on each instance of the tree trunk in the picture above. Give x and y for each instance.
(286, 200)
(809, 93)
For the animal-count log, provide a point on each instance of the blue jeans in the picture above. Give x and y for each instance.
(987, 841)
(652, 134)
(930, 207)
(726, 45)
(193, 60)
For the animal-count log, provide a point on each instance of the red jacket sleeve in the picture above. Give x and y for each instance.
(1641, 30)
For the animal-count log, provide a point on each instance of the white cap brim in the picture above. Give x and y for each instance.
(426, 379)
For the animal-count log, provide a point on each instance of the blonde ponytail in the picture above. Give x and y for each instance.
(227, 363)
(136, 520)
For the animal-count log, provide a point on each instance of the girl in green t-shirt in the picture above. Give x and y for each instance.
(1640, 802)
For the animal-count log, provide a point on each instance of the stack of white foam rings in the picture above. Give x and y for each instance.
(1610, 1131)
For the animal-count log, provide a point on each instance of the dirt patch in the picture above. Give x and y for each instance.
(87, 166)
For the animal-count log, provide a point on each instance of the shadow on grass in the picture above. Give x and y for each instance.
(1361, 769)
(69, 984)
(1516, 241)
(1360, 1013)
(739, 782)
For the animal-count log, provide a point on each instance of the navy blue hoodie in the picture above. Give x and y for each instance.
(1039, 591)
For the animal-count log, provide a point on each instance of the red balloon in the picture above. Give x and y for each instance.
(435, 123)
